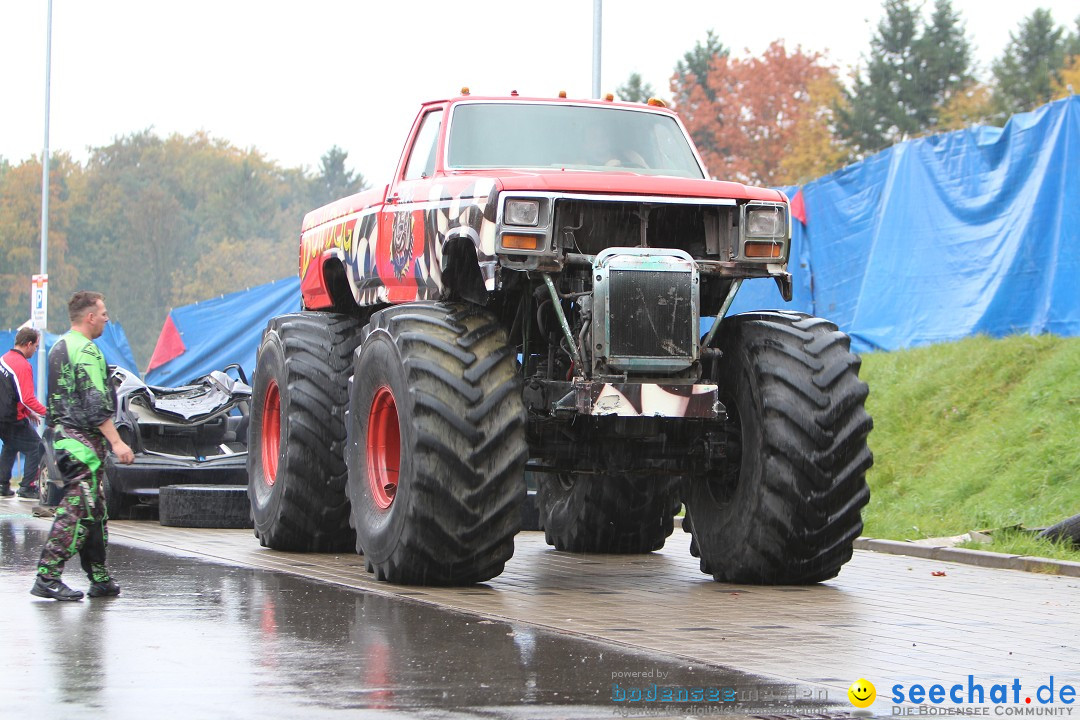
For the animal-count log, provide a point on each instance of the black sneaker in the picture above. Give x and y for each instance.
(104, 589)
(27, 494)
(6, 491)
(53, 588)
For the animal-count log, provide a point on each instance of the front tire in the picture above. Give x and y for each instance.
(437, 446)
(607, 514)
(785, 507)
(296, 436)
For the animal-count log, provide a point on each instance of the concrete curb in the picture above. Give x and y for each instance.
(980, 558)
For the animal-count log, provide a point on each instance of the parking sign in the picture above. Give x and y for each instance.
(39, 301)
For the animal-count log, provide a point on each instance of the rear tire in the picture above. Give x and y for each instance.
(204, 506)
(1066, 531)
(437, 446)
(296, 436)
(607, 514)
(785, 507)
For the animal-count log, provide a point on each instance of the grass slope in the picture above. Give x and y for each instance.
(978, 434)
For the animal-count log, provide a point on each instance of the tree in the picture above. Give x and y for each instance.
(913, 70)
(1069, 83)
(692, 70)
(753, 125)
(691, 91)
(20, 236)
(334, 181)
(1072, 43)
(1031, 64)
(974, 105)
(634, 90)
(944, 55)
(815, 149)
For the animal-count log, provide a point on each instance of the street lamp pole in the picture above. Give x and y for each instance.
(597, 13)
(45, 200)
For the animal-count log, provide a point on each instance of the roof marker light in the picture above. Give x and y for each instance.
(465, 90)
(609, 97)
(657, 102)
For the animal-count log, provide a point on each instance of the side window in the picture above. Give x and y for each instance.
(422, 158)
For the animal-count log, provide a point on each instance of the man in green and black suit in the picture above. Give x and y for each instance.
(80, 414)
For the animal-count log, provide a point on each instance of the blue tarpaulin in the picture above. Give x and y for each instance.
(935, 239)
(225, 330)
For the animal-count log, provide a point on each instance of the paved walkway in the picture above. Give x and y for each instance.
(890, 619)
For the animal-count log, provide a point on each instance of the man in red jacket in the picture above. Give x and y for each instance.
(19, 435)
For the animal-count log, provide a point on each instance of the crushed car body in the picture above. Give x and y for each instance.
(195, 433)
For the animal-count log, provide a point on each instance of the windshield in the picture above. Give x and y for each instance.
(532, 135)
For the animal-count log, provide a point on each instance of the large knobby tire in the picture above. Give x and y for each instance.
(436, 445)
(785, 506)
(296, 437)
(607, 513)
(1066, 531)
(204, 506)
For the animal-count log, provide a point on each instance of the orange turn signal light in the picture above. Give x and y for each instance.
(520, 242)
(761, 250)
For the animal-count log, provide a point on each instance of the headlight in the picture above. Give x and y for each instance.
(766, 222)
(522, 212)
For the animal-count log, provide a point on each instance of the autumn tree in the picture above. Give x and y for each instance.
(1069, 81)
(1030, 66)
(974, 105)
(762, 105)
(815, 149)
(20, 236)
(913, 70)
(689, 86)
(634, 90)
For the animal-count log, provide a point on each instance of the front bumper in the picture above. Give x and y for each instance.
(584, 397)
(150, 472)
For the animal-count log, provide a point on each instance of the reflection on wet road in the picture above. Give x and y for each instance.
(195, 639)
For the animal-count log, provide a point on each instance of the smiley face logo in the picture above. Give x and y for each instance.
(862, 693)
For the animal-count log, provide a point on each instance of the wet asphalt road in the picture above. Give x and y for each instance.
(195, 639)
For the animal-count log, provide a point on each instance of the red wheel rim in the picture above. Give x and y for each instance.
(383, 448)
(271, 432)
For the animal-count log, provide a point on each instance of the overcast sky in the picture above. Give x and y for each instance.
(293, 79)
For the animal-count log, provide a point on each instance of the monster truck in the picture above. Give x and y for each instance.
(530, 288)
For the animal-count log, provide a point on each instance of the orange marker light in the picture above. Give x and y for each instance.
(465, 90)
(657, 102)
(520, 242)
(562, 93)
(609, 97)
(762, 250)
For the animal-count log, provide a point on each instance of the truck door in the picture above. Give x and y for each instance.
(406, 252)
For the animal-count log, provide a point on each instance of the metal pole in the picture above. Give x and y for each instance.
(597, 12)
(45, 201)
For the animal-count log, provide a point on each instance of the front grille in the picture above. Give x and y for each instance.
(651, 314)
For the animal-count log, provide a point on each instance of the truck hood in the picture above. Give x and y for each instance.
(621, 183)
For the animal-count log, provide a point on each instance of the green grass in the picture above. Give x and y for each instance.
(1021, 543)
(973, 435)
